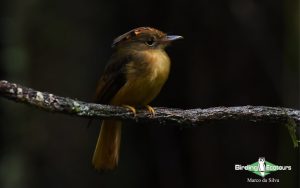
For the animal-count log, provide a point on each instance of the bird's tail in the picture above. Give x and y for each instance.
(106, 154)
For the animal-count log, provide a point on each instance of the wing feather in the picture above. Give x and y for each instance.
(112, 80)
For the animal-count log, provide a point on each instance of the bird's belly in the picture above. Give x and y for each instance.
(139, 91)
(144, 79)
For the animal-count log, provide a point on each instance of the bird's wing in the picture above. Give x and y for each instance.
(112, 80)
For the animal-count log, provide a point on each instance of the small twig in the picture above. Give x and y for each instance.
(191, 117)
(292, 128)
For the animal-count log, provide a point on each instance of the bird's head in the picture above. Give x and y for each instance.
(144, 38)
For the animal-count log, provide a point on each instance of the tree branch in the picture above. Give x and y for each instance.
(191, 117)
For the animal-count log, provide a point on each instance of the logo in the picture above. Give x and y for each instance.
(262, 168)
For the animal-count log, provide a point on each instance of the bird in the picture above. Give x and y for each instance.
(134, 76)
(262, 166)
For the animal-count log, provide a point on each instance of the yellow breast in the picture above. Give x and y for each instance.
(144, 79)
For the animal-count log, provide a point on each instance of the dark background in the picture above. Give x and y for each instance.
(235, 52)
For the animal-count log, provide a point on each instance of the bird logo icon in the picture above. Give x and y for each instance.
(262, 166)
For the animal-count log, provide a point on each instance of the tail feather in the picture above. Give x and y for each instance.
(106, 154)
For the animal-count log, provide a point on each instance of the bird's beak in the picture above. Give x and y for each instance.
(170, 38)
(173, 37)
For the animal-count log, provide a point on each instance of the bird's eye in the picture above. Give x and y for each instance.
(150, 42)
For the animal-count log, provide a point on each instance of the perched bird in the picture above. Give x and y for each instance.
(134, 75)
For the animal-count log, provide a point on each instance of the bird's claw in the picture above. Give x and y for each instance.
(150, 110)
(131, 108)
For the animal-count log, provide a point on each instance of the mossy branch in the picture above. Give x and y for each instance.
(190, 117)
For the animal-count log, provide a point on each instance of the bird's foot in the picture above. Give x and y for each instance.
(131, 108)
(150, 110)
